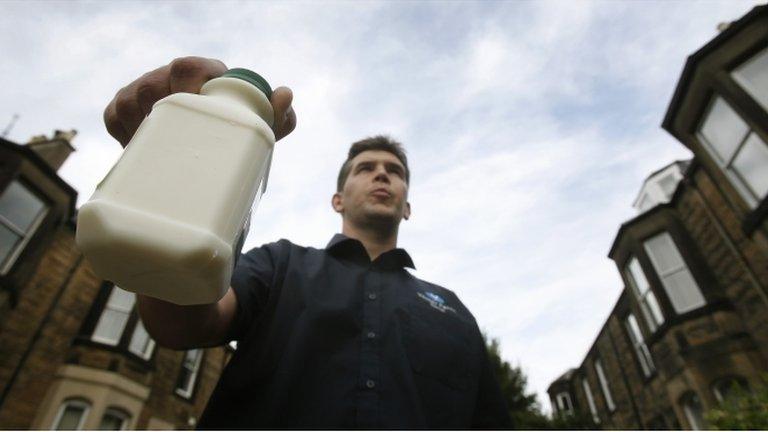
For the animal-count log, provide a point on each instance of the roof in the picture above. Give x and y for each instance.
(693, 60)
(36, 160)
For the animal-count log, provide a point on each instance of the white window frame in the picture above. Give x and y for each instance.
(13, 255)
(117, 413)
(185, 389)
(638, 343)
(649, 304)
(695, 421)
(561, 399)
(590, 400)
(696, 298)
(112, 307)
(604, 385)
(139, 331)
(742, 186)
(75, 402)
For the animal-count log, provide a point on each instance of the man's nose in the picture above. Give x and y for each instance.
(382, 175)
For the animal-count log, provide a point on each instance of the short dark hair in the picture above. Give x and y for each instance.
(378, 142)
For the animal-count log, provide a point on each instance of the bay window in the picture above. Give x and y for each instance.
(644, 295)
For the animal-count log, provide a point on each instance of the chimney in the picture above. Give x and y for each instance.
(54, 150)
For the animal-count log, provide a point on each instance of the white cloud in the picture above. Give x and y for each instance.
(529, 125)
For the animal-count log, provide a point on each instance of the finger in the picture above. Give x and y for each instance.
(285, 116)
(128, 111)
(188, 74)
(152, 87)
(288, 126)
(113, 124)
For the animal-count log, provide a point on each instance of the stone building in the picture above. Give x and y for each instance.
(691, 322)
(73, 351)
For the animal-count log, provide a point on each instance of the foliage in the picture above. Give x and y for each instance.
(524, 408)
(742, 410)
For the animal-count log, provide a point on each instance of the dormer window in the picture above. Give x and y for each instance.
(21, 212)
(737, 150)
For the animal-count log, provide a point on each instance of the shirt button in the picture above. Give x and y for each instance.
(371, 296)
(371, 335)
(370, 384)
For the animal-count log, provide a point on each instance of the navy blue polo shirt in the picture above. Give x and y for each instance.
(328, 339)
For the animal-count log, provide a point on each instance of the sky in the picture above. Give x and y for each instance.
(529, 127)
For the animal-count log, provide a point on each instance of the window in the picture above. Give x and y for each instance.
(737, 150)
(725, 388)
(590, 400)
(141, 344)
(604, 385)
(668, 184)
(753, 77)
(114, 419)
(71, 415)
(678, 282)
(693, 410)
(564, 405)
(21, 212)
(188, 375)
(113, 323)
(641, 349)
(115, 316)
(643, 294)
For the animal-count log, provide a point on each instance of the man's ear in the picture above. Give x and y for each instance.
(407, 211)
(336, 203)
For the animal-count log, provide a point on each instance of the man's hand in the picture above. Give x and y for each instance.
(132, 103)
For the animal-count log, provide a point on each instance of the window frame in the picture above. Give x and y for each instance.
(73, 401)
(683, 267)
(123, 415)
(590, 400)
(743, 188)
(189, 388)
(604, 386)
(695, 422)
(745, 85)
(642, 352)
(560, 406)
(25, 237)
(128, 333)
(643, 298)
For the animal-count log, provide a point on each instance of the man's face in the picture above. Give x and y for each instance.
(375, 192)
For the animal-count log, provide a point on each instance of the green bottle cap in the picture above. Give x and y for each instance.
(252, 78)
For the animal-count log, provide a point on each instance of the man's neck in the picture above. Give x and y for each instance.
(375, 243)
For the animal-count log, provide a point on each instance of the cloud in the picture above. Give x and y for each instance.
(530, 127)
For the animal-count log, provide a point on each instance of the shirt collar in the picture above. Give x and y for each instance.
(341, 245)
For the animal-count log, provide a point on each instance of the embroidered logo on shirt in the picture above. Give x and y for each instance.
(435, 301)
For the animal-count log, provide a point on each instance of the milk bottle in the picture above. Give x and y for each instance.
(169, 218)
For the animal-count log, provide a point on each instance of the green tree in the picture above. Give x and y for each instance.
(742, 410)
(524, 407)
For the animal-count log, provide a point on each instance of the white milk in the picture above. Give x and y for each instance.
(167, 219)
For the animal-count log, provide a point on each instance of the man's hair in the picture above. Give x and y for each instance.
(378, 142)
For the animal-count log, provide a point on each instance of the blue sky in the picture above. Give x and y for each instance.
(530, 127)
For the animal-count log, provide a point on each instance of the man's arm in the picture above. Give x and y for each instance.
(169, 324)
(184, 327)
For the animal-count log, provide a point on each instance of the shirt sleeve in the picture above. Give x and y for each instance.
(252, 282)
(491, 409)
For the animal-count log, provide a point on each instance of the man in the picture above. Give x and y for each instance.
(342, 337)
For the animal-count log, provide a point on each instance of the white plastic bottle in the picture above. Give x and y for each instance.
(169, 218)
